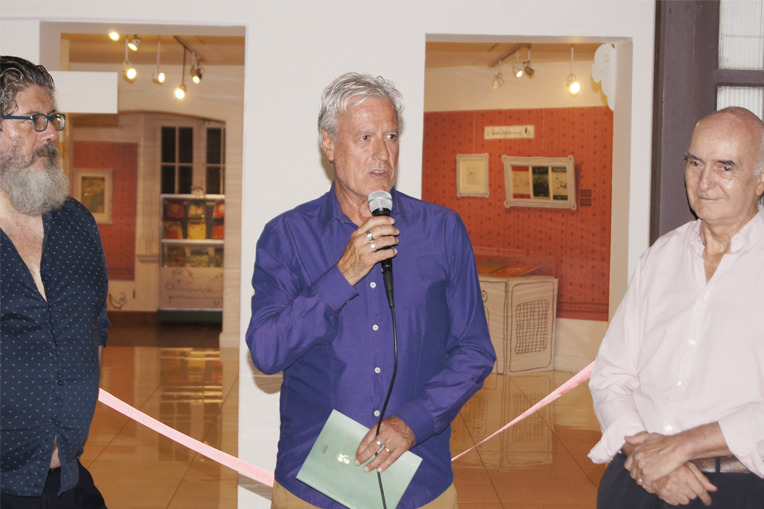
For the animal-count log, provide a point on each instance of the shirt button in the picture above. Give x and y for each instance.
(373, 284)
(377, 370)
(679, 383)
(375, 327)
(376, 413)
(692, 342)
(668, 428)
(60, 382)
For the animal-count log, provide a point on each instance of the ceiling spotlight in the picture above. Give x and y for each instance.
(530, 71)
(498, 81)
(573, 86)
(571, 81)
(128, 71)
(196, 72)
(134, 43)
(517, 69)
(158, 77)
(114, 35)
(180, 92)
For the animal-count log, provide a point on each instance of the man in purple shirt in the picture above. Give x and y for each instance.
(320, 313)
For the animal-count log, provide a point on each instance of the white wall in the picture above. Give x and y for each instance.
(295, 48)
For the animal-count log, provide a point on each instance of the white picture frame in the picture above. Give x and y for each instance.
(540, 182)
(472, 175)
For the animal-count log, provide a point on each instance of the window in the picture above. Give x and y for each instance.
(193, 156)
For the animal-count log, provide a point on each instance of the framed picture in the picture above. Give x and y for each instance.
(93, 188)
(472, 175)
(540, 182)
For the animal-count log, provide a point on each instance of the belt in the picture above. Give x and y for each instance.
(721, 465)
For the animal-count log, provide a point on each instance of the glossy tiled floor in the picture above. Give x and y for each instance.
(177, 375)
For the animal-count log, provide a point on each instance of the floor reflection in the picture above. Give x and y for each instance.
(539, 463)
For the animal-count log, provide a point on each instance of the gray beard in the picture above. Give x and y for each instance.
(34, 191)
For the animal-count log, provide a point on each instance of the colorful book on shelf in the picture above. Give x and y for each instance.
(199, 257)
(175, 209)
(175, 256)
(172, 229)
(197, 230)
(219, 210)
(218, 229)
(196, 209)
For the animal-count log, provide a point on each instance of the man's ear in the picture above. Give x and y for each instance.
(760, 184)
(327, 143)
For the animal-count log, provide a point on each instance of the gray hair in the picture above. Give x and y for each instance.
(355, 87)
(16, 74)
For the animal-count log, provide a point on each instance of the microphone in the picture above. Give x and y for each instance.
(380, 204)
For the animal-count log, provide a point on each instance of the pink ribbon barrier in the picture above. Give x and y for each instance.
(225, 459)
(265, 477)
(576, 380)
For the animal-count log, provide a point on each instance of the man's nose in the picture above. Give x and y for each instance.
(706, 180)
(49, 134)
(381, 150)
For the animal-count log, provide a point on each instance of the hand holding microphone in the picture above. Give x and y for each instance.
(373, 242)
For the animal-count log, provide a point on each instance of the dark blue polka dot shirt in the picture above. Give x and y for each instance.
(49, 366)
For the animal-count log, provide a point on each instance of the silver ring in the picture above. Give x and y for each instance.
(379, 444)
(373, 245)
(369, 236)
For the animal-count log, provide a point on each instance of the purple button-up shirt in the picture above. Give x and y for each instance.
(334, 341)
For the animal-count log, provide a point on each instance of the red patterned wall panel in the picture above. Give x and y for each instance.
(119, 237)
(573, 245)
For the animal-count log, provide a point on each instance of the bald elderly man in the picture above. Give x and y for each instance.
(678, 385)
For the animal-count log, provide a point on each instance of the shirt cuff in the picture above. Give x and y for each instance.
(614, 437)
(736, 429)
(335, 289)
(419, 420)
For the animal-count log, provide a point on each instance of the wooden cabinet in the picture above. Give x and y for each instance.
(191, 268)
(521, 320)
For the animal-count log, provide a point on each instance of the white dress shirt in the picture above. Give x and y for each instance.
(681, 352)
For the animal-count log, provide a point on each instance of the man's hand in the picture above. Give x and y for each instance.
(683, 485)
(653, 455)
(395, 438)
(362, 252)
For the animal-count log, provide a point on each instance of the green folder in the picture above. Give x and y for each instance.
(330, 468)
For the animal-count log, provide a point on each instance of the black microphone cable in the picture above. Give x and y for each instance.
(391, 303)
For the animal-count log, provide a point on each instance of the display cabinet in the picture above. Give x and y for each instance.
(191, 266)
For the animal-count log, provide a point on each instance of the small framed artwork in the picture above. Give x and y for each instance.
(93, 188)
(540, 182)
(472, 175)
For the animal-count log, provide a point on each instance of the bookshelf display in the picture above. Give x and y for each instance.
(191, 267)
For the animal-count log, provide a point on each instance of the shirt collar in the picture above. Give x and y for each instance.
(751, 233)
(332, 211)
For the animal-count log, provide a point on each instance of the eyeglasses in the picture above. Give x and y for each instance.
(40, 120)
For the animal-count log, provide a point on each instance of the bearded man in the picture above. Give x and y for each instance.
(53, 288)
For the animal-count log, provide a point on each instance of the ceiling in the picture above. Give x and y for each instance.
(99, 49)
(459, 54)
(229, 50)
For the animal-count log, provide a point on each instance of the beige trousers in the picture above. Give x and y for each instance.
(283, 499)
